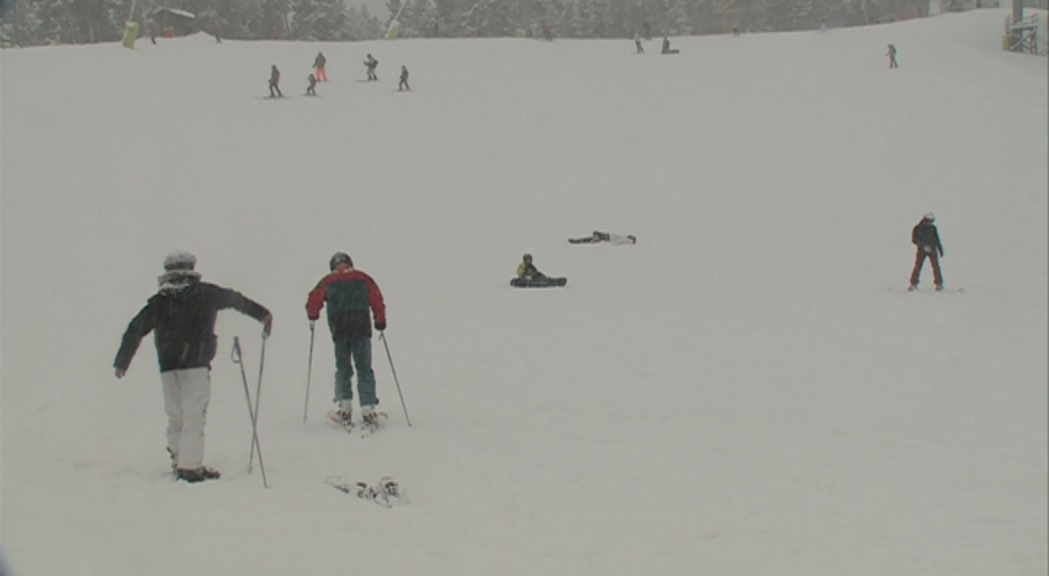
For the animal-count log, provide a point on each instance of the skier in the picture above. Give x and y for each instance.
(404, 79)
(599, 236)
(371, 63)
(310, 90)
(892, 56)
(181, 316)
(637, 43)
(927, 239)
(349, 293)
(275, 82)
(666, 47)
(318, 64)
(527, 271)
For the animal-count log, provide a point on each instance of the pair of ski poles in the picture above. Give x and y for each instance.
(309, 375)
(253, 412)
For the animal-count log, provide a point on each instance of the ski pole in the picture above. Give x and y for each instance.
(382, 336)
(238, 360)
(309, 375)
(258, 396)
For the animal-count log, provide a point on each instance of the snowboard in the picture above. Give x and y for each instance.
(544, 282)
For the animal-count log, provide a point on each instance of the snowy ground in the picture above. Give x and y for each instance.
(748, 390)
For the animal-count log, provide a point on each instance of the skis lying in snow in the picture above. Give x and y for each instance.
(365, 428)
(386, 493)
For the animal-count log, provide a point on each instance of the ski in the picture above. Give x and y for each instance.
(333, 417)
(385, 493)
(930, 290)
(367, 429)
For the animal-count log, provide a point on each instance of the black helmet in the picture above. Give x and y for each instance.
(339, 258)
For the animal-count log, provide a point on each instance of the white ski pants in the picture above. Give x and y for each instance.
(186, 396)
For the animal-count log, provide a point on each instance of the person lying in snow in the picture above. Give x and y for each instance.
(599, 236)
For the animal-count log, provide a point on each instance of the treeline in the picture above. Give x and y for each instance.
(43, 22)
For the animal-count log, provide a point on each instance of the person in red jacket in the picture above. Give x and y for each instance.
(349, 294)
(925, 236)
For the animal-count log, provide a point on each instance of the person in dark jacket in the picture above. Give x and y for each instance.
(311, 90)
(275, 82)
(927, 239)
(892, 56)
(350, 294)
(404, 80)
(371, 64)
(182, 316)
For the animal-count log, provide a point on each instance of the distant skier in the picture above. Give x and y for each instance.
(892, 56)
(371, 64)
(599, 236)
(310, 90)
(318, 64)
(404, 79)
(927, 239)
(637, 43)
(275, 83)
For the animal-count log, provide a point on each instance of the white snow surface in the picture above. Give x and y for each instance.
(748, 390)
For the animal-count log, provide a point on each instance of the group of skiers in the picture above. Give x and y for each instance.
(183, 311)
(320, 74)
(182, 317)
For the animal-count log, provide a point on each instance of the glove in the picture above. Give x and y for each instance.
(941, 252)
(267, 326)
(120, 372)
(380, 326)
(311, 325)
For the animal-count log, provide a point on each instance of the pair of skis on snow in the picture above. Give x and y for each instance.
(386, 493)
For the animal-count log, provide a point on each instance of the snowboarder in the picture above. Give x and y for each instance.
(527, 271)
(892, 56)
(371, 63)
(637, 43)
(666, 47)
(927, 239)
(275, 82)
(404, 80)
(310, 90)
(349, 293)
(599, 236)
(182, 317)
(318, 64)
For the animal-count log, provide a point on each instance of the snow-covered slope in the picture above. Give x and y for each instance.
(748, 390)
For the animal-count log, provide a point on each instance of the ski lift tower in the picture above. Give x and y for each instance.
(1022, 34)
